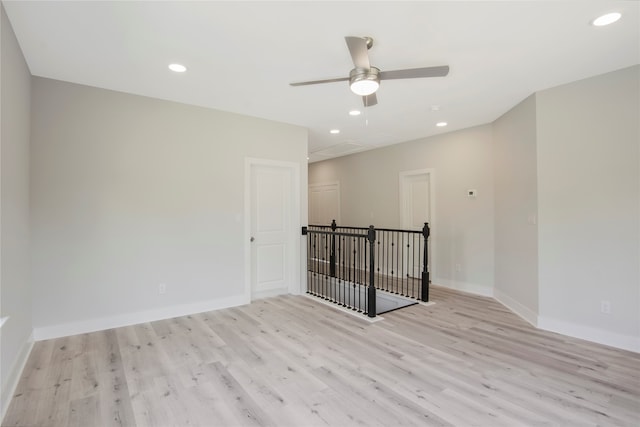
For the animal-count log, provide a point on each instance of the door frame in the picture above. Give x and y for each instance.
(432, 210)
(295, 227)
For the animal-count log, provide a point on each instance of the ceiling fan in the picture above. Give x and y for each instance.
(364, 79)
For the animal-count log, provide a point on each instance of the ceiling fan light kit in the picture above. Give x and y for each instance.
(364, 82)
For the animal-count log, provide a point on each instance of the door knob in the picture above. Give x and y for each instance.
(252, 239)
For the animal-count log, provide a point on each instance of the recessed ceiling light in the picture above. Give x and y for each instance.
(606, 19)
(178, 68)
(441, 124)
(334, 131)
(354, 112)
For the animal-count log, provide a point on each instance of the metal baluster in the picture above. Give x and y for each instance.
(345, 269)
(401, 274)
(325, 270)
(378, 248)
(359, 276)
(315, 262)
(310, 263)
(393, 283)
(386, 260)
(365, 303)
(414, 262)
(344, 273)
(355, 272)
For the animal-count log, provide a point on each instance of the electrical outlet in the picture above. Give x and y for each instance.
(605, 307)
(458, 267)
(162, 288)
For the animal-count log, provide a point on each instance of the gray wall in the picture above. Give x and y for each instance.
(588, 203)
(129, 192)
(516, 208)
(15, 291)
(462, 228)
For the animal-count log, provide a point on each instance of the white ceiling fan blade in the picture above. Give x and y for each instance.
(359, 51)
(370, 100)
(315, 82)
(414, 73)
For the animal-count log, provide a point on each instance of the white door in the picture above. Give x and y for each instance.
(272, 230)
(416, 189)
(324, 203)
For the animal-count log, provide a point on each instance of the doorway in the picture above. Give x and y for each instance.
(324, 203)
(272, 221)
(417, 207)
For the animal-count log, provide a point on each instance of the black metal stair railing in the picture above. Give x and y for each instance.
(340, 268)
(344, 262)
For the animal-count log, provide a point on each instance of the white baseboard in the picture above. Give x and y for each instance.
(127, 319)
(269, 293)
(525, 312)
(9, 387)
(472, 288)
(600, 336)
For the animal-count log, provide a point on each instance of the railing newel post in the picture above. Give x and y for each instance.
(425, 266)
(371, 309)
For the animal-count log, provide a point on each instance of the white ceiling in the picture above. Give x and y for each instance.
(241, 57)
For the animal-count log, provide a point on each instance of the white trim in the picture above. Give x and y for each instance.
(295, 286)
(517, 308)
(600, 336)
(432, 210)
(6, 394)
(268, 293)
(471, 288)
(568, 329)
(127, 319)
(296, 231)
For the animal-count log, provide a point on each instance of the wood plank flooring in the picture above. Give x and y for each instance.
(289, 361)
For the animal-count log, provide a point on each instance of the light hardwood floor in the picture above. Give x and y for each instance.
(290, 361)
